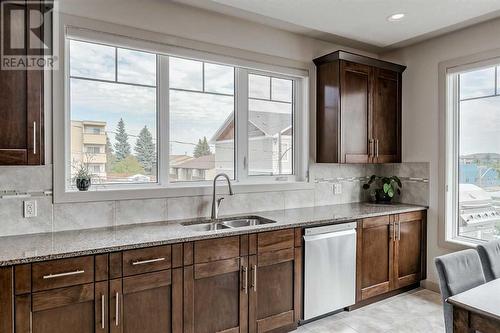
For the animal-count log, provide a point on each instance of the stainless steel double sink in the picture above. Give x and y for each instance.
(229, 223)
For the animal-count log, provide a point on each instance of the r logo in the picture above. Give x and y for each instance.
(23, 45)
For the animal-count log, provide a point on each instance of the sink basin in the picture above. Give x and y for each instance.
(229, 223)
(207, 226)
(247, 222)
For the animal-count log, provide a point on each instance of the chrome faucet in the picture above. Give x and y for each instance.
(216, 203)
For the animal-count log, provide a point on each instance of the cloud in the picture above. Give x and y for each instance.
(480, 126)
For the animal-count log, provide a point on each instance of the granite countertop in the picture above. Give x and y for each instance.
(39, 247)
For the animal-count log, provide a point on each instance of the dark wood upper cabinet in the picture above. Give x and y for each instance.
(21, 101)
(358, 118)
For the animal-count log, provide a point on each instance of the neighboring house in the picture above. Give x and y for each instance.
(88, 145)
(269, 148)
(471, 173)
(191, 169)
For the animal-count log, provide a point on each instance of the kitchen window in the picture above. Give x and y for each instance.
(473, 152)
(143, 119)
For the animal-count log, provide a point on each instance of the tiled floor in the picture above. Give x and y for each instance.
(417, 311)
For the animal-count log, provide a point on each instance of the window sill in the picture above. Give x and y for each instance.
(460, 243)
(174, 190)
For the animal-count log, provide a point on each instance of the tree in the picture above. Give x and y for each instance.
(202, 148)
(129, 165)
(122, 147)
(110, 156)
(145, 150)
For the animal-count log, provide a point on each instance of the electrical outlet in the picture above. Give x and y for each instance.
(337, 188)
(30, 208)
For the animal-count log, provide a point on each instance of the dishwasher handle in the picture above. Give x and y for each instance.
(309, 238)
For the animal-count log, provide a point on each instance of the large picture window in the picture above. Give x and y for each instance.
(475, 117)
(141, 118)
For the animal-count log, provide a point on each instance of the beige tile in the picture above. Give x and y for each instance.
(13, 221)
(140, 211)
(74, 216)
(298, 199)
(26, 178)
(416, 311)
(188, 207)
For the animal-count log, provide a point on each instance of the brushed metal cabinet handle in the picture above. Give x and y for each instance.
(376, 147)
(371, 147)
(399, 230)
(149, 261)
(245, 277)
(103, 314)
(254, 277)
(53, 276)
(34, 138)
(117, 309)
(393, 224)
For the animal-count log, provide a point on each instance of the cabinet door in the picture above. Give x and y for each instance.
(356, 113)
(387, 116)
(145, 303)
(328, 113)
(273, 283)
(21, 101)
(408, 252)
(375, 248)
(63, 310)
(216, 296)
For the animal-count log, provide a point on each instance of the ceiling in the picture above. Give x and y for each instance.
(360, 23)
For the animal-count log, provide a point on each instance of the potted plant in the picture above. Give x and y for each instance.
(386, 187)
(83, 177)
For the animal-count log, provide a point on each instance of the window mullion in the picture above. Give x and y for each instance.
(163, 128)
(241, 121)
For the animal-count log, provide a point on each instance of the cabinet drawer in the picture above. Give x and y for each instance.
(275, 240)
(147, 260)
(412, 216)
(62, 273)
(376, 221)
(216, 249)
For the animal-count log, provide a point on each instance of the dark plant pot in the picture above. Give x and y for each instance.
(83, 184)
(382, 197)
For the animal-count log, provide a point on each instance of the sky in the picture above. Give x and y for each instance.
(479, 118)
(193, 115)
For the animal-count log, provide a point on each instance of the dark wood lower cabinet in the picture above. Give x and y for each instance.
(63, 310)
(144, 303)
(374, 257)
(272, 287)
(409, 249)
(216, 296)
(390, 253)
(239, 284)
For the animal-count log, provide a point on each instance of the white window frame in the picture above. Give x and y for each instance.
(164, 188)
(449, 147)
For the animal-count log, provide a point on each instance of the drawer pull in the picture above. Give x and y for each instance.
(149, 261)
(53, 276)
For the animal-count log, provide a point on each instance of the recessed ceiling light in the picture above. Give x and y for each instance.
(396, 17)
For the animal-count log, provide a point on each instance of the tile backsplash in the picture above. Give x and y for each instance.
(71, 216)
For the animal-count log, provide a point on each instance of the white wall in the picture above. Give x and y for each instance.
(421, 106)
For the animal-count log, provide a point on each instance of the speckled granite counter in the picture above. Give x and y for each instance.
(39, 247)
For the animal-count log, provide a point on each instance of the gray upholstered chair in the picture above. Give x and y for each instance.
(458, 272)
(490, 259)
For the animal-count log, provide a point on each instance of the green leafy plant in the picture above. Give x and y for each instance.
(385, 187)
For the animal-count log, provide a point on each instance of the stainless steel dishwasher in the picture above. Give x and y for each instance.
(329, 269)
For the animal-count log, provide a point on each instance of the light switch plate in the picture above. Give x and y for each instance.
(337, 188)
(30, 208)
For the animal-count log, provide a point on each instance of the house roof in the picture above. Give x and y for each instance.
(205, 162)
(262, 123)
(175, 160)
